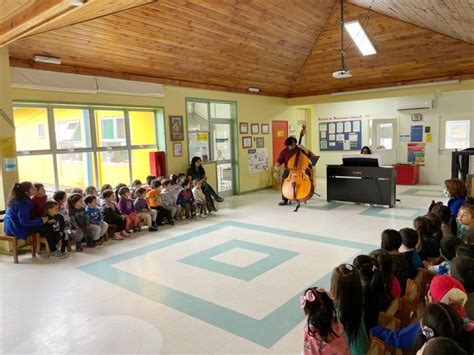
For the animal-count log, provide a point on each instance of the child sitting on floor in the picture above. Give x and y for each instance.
(465, 218)
(126, 208)
(53, 230)
(96, 218)
(391, 242)
(323, 333)
(112, 215)
(409, 242)
(444, 213)
(144, 211)
(448, 252)
(346, 289)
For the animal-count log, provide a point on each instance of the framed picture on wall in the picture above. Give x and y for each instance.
(255, 128)
(176, 128)
(244, 128)
(265, 128)
(246, 142)
(177, 149)
(260, 142)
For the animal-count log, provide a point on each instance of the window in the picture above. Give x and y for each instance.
(72, 128)
(142, 127)
(221, 110)
(37, 168)
(457, 134)
(385, 136)
(110, 128)
(75, 170)
(198, 129)
(77, 159)
(31, 128)
(40, 131)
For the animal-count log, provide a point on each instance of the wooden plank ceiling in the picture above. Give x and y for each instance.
(452, 18)
(285, 48)
(405, 54)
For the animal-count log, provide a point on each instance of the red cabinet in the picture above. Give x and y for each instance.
(157, 164)
(407, 174)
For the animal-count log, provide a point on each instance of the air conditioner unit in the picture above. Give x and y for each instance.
(415, 104)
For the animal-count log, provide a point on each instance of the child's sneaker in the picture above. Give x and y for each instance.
(118, 236)
(58, 255)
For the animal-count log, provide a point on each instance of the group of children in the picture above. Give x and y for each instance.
(344, 318)
(88, 215)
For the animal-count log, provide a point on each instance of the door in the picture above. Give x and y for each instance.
(455, 132)
(221, 140)
(383, 140)
(279, 135)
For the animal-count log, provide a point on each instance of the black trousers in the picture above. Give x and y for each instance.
(283, 177)
(162, 212)
(53, 239)
(209, 192)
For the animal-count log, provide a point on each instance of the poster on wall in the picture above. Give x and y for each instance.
(340, 136)
(258, 160)
(416, 153)
(416, 133)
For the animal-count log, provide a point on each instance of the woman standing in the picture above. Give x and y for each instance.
(197, 172)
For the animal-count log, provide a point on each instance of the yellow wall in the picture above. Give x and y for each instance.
(7, 179)
(250, 108)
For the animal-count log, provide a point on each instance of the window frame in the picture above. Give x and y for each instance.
(55, 152)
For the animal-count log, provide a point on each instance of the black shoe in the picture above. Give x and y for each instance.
(213, 209)
(283, 203)
(219, 199)
(152, 229)
(171, 221)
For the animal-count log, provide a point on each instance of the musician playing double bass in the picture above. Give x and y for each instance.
(282, 162)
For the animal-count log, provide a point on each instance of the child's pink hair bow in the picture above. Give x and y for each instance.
(308, 296)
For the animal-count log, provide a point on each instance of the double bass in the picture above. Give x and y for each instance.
(298, 185)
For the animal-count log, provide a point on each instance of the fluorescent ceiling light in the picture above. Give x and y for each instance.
(360, 38)
(45, 59)
(254, 89)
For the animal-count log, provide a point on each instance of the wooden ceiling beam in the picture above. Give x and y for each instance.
(47, 15)
(30, 18)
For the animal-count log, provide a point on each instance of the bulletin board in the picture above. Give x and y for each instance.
(340, 135)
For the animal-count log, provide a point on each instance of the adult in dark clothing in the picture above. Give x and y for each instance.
(284, 158)
(197, 172)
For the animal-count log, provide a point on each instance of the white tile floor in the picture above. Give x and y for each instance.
(51, 307)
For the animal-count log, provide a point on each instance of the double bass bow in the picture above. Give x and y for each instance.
(298, 185)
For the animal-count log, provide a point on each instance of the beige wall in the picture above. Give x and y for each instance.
(250, 108)
(6, 178)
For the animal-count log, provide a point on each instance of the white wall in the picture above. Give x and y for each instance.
(444, 104)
